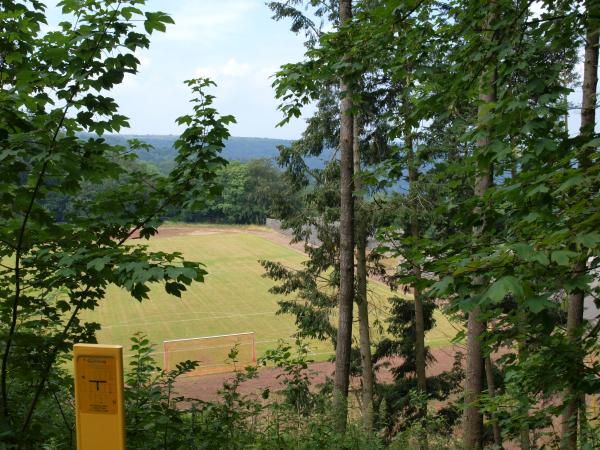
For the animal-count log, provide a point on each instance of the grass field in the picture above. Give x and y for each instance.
(233, 299)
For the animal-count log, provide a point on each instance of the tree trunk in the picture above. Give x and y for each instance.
(576, 298)
(361, 287)
(473, 419)
(413, 175)
(346, 295)
(574, 321)
(415, 233)
(524, 439)
(491, 387)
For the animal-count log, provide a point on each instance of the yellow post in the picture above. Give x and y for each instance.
(99, 406)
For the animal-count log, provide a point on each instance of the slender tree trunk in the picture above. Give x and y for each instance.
(415, 232)
(344, 332)
(524, 442)
(524, 438)
(576, 298)
(584, 430)
(473, 420)
(590, 84)
(491, 387)
(361, 287)
(419, 318)
(574, 321)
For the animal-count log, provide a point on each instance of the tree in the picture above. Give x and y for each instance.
(362, 300)
(473, 426)
(344, 332)
(343, 341)
(498, 248)
(52, 86)
(509, 208)
(576, 298)
(522, 250)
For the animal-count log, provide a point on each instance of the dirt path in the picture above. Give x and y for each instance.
(206, 387)
(203, 230)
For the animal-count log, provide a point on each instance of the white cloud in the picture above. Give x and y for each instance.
(234, 69)
(206, 72)
(233, 42)
(231, 69)
(202, 22)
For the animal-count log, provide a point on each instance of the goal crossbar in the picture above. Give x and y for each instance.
(211, 352)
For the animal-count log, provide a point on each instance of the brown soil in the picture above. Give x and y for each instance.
(196, 230)
(206, 387)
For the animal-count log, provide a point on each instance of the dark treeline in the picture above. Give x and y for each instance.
(250, 192)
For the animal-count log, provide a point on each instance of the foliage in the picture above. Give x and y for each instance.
(437, 429)
(155, 417)
(295, 416)
(295, 378)
(520, 251)
(252, 192)
(52, 86)
(401, 412)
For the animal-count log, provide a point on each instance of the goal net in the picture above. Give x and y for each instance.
(211, 352)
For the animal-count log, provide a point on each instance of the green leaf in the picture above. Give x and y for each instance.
(538, 304)
(98, 263)
(441, 287)
(589, 240)
(570, 183)
(501, 288)
(562, 257)
(523, 251)
(541, 258)
(593, 143)
(527, 253)
(156, 21)
(539, 189)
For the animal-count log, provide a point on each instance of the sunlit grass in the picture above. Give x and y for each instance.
(233, 299)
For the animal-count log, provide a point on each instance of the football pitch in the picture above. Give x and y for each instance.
(233, 299)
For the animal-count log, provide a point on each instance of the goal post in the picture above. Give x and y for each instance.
(211, 352)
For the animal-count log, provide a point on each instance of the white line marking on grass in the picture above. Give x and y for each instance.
(264, 341)
(229, 316)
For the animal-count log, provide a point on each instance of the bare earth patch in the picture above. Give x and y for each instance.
(203, 230)
(206, 387)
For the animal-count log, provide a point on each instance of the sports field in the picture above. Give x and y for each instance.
(233, 299)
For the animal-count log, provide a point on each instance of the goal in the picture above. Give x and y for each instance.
(211, 352)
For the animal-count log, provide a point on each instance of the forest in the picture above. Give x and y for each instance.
(459, 135)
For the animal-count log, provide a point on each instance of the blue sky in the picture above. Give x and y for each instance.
(234, 42)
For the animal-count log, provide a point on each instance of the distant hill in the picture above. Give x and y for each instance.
(236, 148)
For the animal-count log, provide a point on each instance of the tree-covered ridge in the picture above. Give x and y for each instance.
(236, 148)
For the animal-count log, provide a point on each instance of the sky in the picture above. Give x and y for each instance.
(239, 46)
(234, 42)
